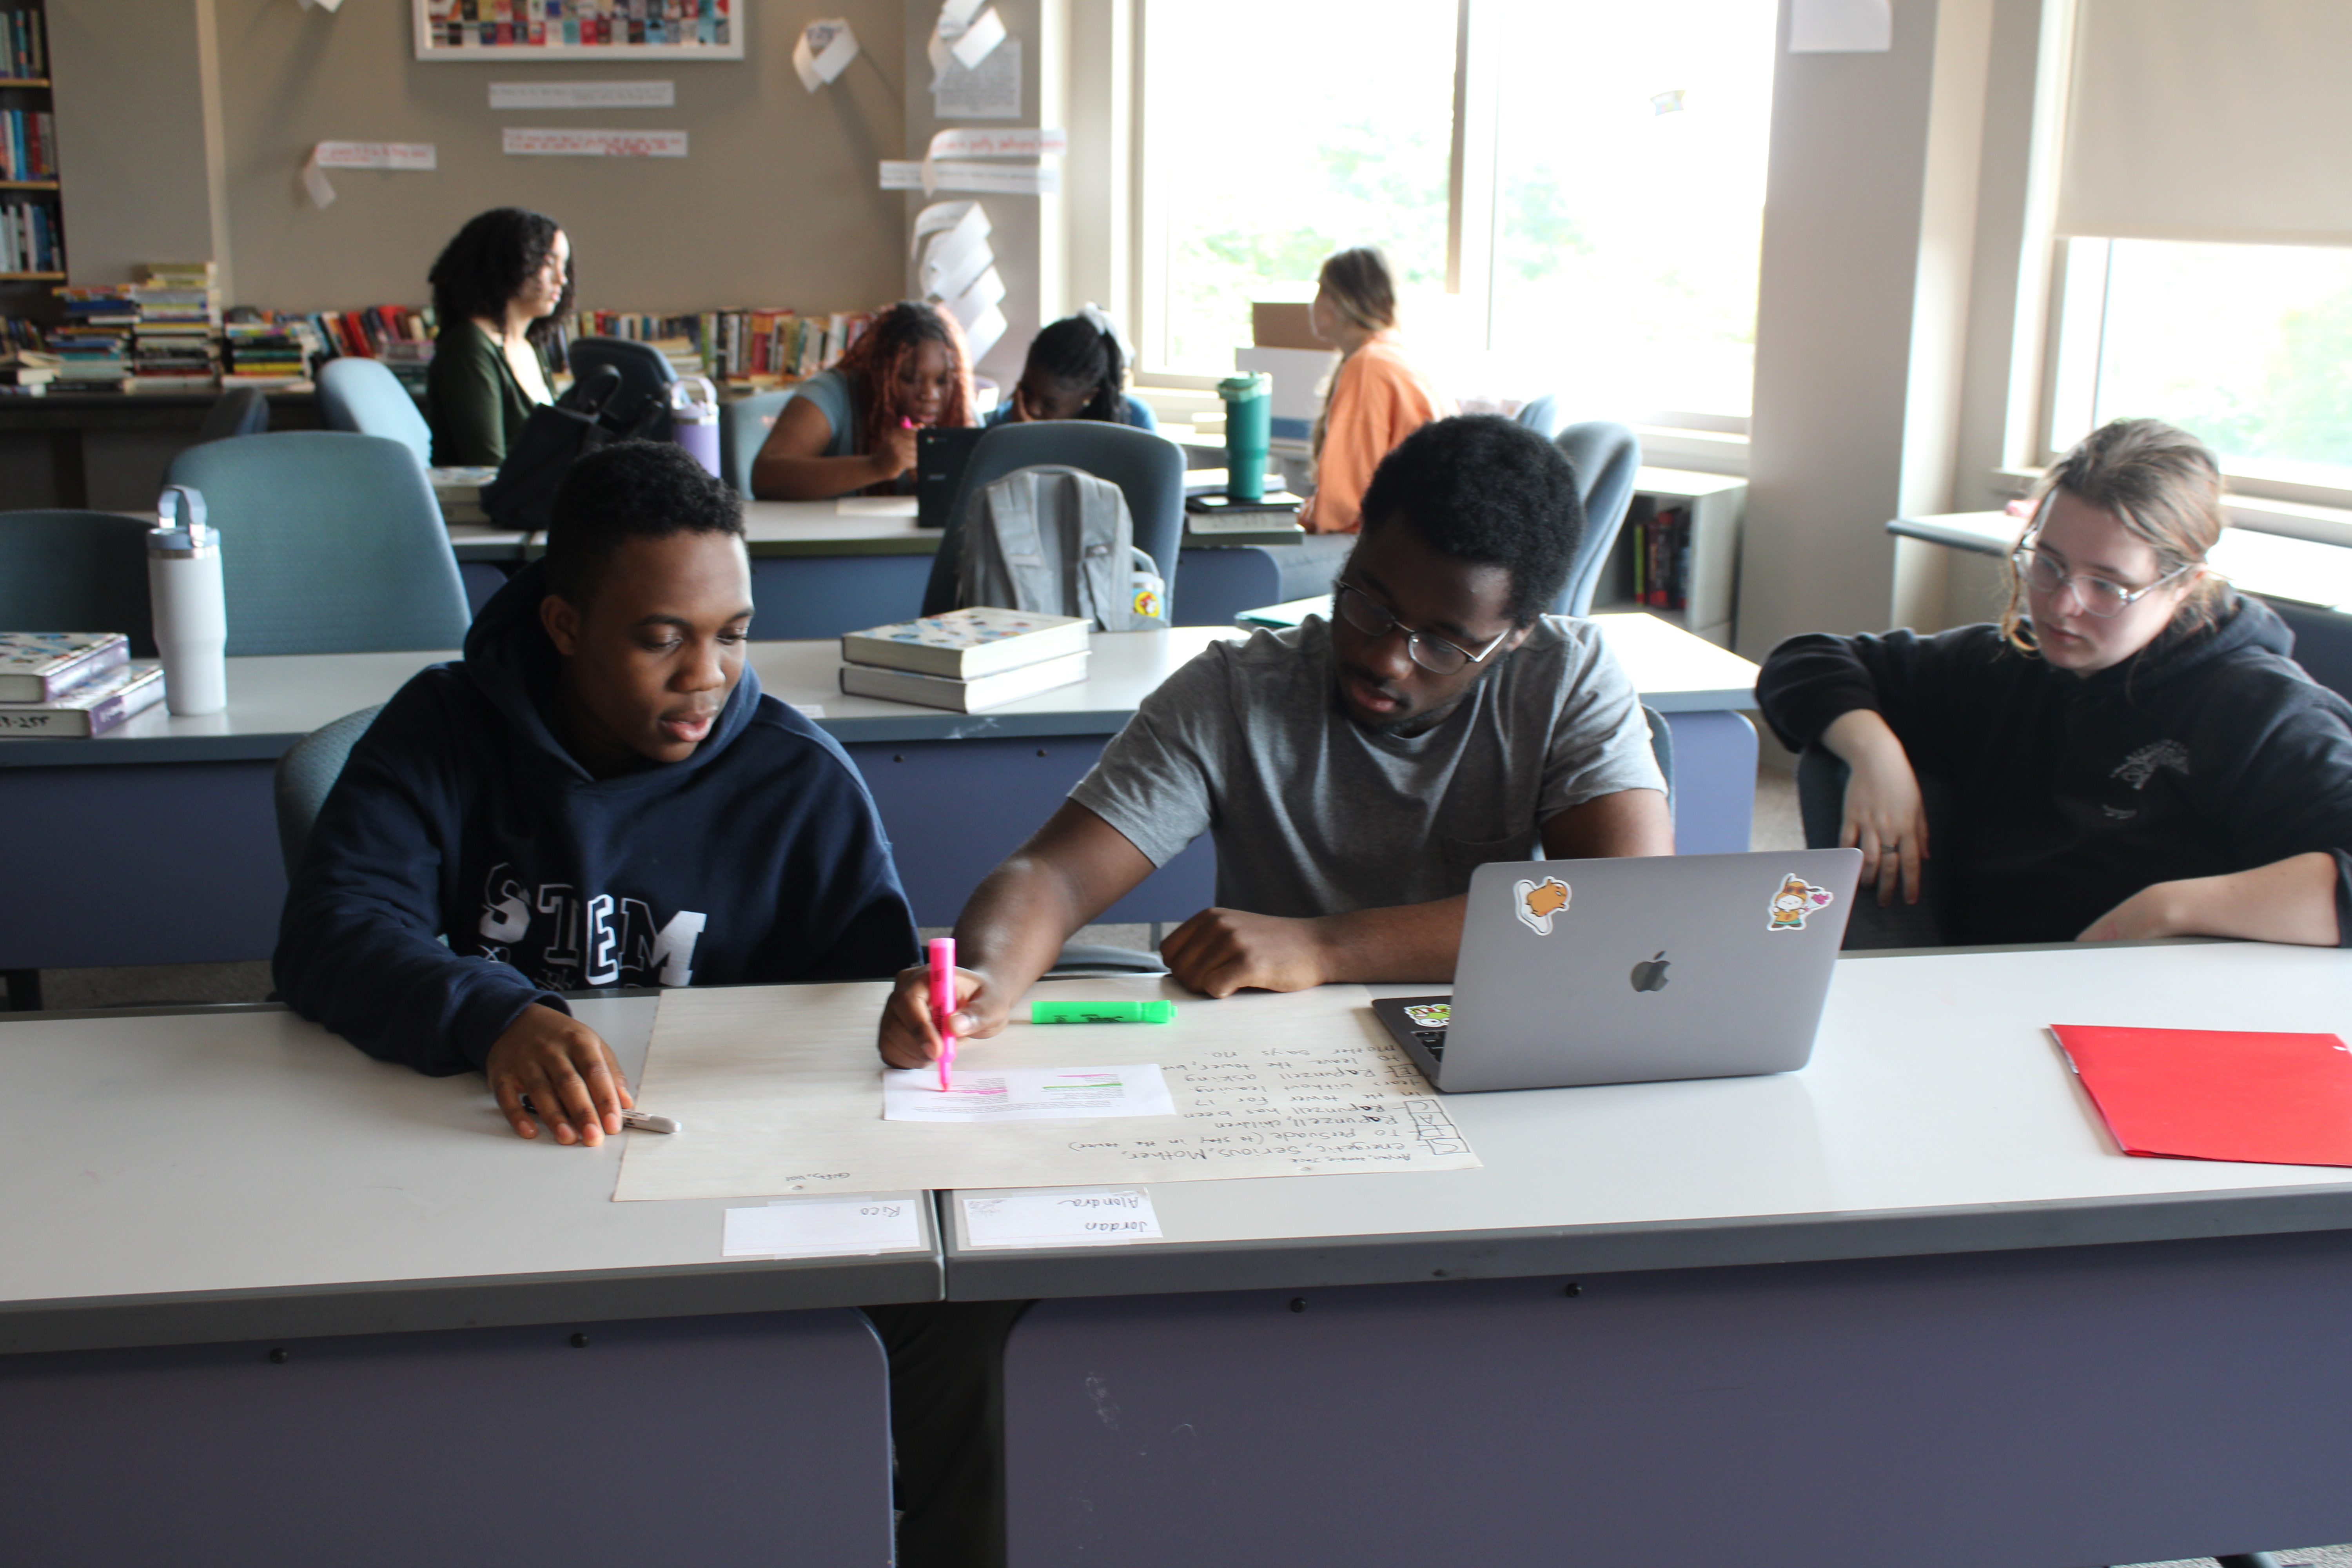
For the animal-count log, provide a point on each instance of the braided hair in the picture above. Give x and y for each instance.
(1084, 351)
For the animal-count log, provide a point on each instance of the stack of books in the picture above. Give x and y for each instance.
(174, 347)
(29, 144)
(1659, 555)
(93, 345)
(26, 373)
(72, 683)
(410, 361)
(264, 351)
(965, 660)
(1216, 518)
(743, 348)
(24, 52)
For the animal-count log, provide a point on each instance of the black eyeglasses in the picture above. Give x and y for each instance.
(1372, 618)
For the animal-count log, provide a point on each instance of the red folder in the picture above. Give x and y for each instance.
(2215, 1094)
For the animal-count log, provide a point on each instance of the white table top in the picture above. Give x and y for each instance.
(1936, 1116)
(2302, 571)
(239, 1173)
(276, 700)
(850, 525)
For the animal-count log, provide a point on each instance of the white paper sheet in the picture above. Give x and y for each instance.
(542, 140)
(1841, 26)
(991, 91)
(874, 506)
(784, 1091)
(404, 156)
(826, 1226)
(823, 51)
(906, 174)
(583, 94)
(1024, 1094)
(1101, 1217)
(980, 38)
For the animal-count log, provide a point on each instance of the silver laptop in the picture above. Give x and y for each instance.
(1626, 971)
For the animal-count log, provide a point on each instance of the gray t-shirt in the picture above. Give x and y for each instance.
(1315, 816)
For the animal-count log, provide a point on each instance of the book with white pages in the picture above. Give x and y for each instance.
(966, 644)
(93, 708)
(38, 666)
(964, 696)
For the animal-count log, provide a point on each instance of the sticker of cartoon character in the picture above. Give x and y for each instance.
(1795, 901)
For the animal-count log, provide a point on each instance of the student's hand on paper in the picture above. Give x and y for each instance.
(568, 1070)
(909, 1038)
(894, 452)
(1219, 952)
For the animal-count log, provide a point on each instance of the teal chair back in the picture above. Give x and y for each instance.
(307, 772)
(362, 398)
(1606, 456)
(75, 572)
(329, 544)
(743, 426)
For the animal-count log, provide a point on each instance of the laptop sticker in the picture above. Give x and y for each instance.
(1430, 1015)
(1795, 901)
(1536, 902)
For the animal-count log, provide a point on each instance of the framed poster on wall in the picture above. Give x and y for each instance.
(509, 31)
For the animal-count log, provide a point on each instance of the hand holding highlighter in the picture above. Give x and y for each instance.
(942, 950)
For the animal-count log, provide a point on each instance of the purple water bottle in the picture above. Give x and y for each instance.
(694, 419)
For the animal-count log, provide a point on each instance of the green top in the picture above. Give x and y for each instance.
(472, 399)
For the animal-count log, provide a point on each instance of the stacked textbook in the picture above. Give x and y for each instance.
(72, 683)
(966, 659)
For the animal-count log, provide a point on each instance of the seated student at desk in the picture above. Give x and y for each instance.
(853, 428)
(1076, 369)
(597, 795)
(1354, 770)
(2132, 749)
(498, 289)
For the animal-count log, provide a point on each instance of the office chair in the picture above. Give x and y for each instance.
(362, 397)
(239, 411)
(307, 772)
(1147, 468)
(1606, 456)
(1822, 777)
(1541, 415)
(75, 572)
(329, 544)
(743, 426)
(646, 372)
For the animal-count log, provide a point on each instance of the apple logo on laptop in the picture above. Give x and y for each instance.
(1650, 974)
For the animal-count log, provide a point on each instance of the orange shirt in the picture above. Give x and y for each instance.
(1377, 400)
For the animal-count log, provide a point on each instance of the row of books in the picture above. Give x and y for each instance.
(72, 683)
(747, 348)
(29, 240)
(467, 23)
(28, 144)
(1660, 549)
(966, 661)
(24, 52)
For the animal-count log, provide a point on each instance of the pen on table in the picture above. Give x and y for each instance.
(943, 1000)
(643, 1121)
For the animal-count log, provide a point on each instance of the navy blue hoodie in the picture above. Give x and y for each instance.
(758, 858)
(2210, 751)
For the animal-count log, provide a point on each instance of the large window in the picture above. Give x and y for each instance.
(2247, 346)
(1609, 191)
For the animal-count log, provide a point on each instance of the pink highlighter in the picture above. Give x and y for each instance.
(941, 950)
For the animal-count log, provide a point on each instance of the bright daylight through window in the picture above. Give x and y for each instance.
(1627, 172)
(2248, 346)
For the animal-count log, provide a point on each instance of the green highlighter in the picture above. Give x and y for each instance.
(1102, 1012)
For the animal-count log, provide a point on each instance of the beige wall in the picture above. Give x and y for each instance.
(777, 202)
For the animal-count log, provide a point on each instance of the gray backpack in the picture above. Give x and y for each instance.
(1058, 542)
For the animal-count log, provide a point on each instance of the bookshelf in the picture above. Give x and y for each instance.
(32, 198)
(1711, 505)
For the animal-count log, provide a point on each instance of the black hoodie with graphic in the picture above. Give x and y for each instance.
(2210, 751)
(758, 858)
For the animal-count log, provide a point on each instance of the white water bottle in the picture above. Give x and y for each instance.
(183, 589)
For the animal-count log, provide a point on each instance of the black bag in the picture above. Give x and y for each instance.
(557, 435)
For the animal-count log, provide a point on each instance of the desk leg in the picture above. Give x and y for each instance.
(1715, 782)
(144, 863)
(712, 1441)
(2038, 1409)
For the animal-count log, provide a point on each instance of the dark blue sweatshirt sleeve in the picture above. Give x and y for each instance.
(841, 886)
(358, 946)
